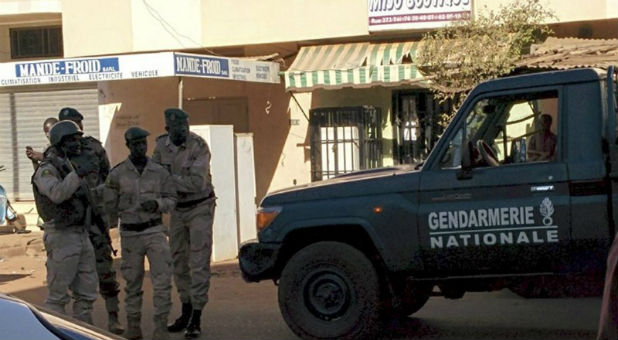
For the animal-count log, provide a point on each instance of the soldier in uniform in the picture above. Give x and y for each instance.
(61, 202)
(137, 191)
(187, 157)
(99, 231)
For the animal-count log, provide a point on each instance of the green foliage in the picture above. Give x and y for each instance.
(458, 57)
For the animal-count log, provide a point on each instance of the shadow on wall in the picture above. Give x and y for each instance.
(135, 102)
(269, 120)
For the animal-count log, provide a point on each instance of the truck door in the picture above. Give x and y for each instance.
(510, 212)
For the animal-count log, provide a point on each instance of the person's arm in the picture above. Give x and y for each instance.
(49, 183)
(156, 154)
(193, 174)
(167, 202)
(111, 193)
(34, 156)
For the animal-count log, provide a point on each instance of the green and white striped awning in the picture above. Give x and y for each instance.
(353, 65)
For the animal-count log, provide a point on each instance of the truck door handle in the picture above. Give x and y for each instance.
(541, 188)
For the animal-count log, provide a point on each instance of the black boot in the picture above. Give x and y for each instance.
(182, 322)
(193, 329)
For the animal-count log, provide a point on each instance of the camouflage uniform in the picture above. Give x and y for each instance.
(99, 230)
(70, 255)
(142, 233)
(93, 151)
(191, 220)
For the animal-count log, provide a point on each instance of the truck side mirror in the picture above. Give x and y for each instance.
(466, 163)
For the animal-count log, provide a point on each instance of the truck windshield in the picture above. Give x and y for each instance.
(510, 129)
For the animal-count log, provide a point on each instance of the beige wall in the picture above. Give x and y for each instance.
(134, 102)
(258, 22)
(155, 29)
(19, 7)
(566, 10)
(93, 27)
(122, 26)
(141, 102)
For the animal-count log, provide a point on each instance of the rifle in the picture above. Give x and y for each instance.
(93, 209)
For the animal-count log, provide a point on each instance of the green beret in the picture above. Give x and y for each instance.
(69, 113)
(174, 116)
(135, 132)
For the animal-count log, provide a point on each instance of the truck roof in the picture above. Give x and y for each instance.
(541, 79)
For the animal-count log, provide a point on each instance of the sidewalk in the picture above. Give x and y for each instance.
(24, 255)
(13, 244)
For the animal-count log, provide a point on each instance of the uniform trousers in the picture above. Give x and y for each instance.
(70, 266)
(154, 247)
(191, 246)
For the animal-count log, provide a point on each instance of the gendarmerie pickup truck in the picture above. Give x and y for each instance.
(518, 193)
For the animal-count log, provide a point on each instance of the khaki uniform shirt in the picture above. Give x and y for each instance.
(49, 183)
(189, 165)
(126, 189)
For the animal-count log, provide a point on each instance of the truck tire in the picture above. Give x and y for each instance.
(330, 290)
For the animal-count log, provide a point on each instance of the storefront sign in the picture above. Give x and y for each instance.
(86, 69)
(226, 68)
(414, 14)
(135, 66)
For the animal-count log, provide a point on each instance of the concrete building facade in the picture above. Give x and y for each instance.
(358, 102)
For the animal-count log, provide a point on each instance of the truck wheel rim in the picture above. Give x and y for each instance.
(327, 295)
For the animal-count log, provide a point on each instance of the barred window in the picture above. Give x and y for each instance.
(344, 139)
(34, 42)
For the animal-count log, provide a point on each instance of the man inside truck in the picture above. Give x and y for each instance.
(497, 130)
(542, 144)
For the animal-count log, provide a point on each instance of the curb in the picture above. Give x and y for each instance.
(13, 245)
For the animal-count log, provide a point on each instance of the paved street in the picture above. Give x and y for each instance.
(249, 311)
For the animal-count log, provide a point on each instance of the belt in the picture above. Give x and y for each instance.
(189, 204)
(141, 226)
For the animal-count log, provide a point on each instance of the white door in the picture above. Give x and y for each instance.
(220, 139)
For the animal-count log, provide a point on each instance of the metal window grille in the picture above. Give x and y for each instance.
(344, 139)
(416, 129)
(34, 42)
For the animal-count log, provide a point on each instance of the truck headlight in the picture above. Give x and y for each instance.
(265, 215)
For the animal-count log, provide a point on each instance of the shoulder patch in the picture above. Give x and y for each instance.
(45, 173)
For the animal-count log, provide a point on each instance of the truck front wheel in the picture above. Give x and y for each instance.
(330, 290)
